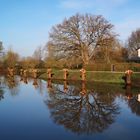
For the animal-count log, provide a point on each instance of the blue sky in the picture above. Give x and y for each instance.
(25, 24)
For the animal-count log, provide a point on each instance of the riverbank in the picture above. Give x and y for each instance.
(97, 76)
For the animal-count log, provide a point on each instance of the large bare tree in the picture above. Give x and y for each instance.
(79, 36)
(133, 43)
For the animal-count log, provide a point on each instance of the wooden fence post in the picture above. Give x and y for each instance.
(66, 73)
(83, 74)
(49, 73)
(128, 75)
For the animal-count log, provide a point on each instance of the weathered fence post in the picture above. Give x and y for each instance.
(11, 72)
(34, 73)
(138, 97)
(83, 74)
(128, 75)
(49, 73)
(25, 73)
(21, 72)
(66, 73)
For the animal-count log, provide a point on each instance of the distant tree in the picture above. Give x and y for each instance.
(38, 57)
(79, 36)
(133, 43)
(28, 62)
(38, 53)
(11, 58)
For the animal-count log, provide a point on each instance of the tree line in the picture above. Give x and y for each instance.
(82, 39)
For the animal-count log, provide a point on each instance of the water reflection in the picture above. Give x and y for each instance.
(81, 108)
(35, 83)
(81, 111)
(12, 84)
(65, 86)
(133, 100)
(25, 80)
(128, 92)
(1, 93)
(134, 104)
(1, 89)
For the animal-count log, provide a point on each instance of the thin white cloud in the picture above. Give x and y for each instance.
(79, 4)
(76, 4)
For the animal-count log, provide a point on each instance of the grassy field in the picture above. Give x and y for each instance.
(100, 76)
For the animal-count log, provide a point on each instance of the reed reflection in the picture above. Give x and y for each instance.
(1, 94)
(65, 86)
(81, 110)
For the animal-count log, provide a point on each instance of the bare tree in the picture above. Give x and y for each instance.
(38, 53)
(79, 36)
(133, 43)
(38, 56)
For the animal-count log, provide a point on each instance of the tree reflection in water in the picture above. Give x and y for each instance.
(1, 94)
(35, 83)
(81, 110)
(13, 84)
(1, 89)
(134, 104)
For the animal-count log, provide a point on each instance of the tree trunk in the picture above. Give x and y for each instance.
(85, 56)
(85, 59)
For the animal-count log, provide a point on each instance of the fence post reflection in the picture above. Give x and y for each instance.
(49, 73)
(65, 86)
(83, 88)
(128, 92)
(35, 83)
(66, 73)
(49, 84)
(34, 73)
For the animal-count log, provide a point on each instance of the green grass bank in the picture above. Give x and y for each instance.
(97, 76)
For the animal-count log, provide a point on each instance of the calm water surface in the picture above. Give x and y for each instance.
(40, 110)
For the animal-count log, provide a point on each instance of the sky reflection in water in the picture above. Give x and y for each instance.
(34, 109)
